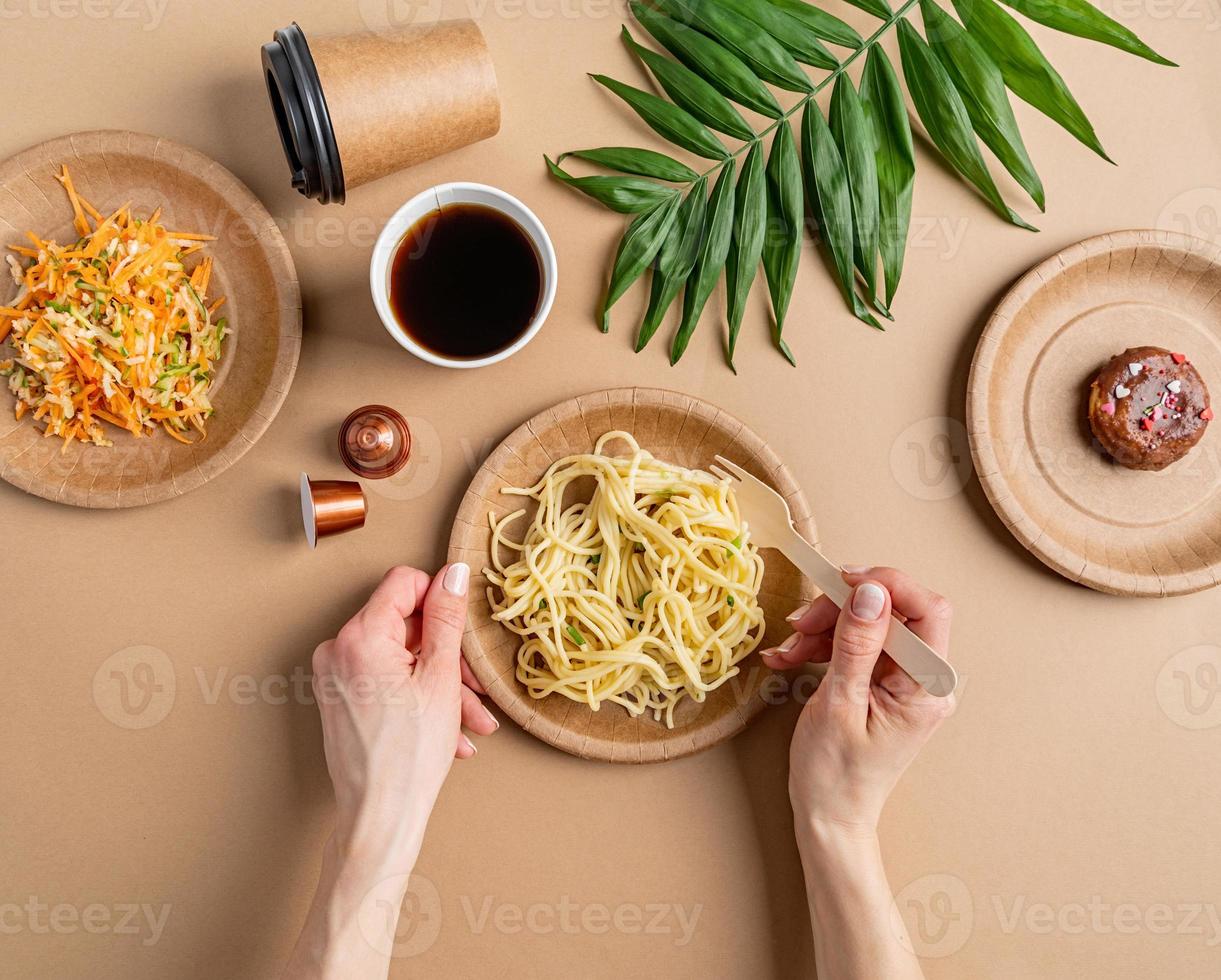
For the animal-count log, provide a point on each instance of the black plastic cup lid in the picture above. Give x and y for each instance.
(302, 117)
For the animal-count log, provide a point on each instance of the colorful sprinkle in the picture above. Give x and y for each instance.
(1135, 368)
(1147, 424)
(1109, 408)
(1175, 386)
(1122, 391)
(1179, 358)
(1207, 415)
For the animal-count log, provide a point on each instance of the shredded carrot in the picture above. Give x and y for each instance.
(112, 328)
(89, 208)
(79, 223)
(181, 438)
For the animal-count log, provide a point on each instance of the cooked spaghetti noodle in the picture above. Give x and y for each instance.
(643, 593)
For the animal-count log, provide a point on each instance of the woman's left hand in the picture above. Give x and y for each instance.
(394, 693)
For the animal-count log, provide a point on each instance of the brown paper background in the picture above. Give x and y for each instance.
(1071, 769)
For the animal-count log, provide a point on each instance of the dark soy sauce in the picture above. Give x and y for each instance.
(465, 281)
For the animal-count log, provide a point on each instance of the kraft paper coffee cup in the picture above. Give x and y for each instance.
(356, 107)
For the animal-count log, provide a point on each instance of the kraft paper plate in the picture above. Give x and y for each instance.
(253, 270)
(671, 426)
(1113, 529)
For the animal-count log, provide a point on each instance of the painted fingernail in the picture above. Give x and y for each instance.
(457, 578)
(470, 744)
(797, 614)
(868, 601)
(855, 569)
(788, 644)
(491, 718)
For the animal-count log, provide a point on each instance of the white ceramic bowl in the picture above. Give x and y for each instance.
(431, 200)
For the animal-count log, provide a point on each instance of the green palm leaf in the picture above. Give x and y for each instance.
(801, 43)
(633, 160)
(820, 23)
(945, 116)
(856, 167)
(895, 159)
(982, 88)
(826, 180)
(854, 136)
(1083, 19)
(675, 124)
(626, 195)
(765, 55)
(746, 247)
(721, 68)
(691, 92)
(637, 249)
(782, 240)
(710, 262)
(879, 8)
(675, 260)
(1027, 72)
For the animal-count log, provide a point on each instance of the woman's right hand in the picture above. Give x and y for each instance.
(868, 719)
(854, 739)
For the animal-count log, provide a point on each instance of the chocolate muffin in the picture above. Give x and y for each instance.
(1148, 408)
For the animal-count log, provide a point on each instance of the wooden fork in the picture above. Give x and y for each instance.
(771, 526)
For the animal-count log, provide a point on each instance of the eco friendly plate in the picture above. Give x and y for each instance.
(1116, 530)
(253, 270)
(671, 426)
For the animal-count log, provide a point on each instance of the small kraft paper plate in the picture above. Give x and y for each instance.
(252, 270)
(1121, 531)
(673, 427)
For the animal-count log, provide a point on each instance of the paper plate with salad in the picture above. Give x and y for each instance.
(150, 319)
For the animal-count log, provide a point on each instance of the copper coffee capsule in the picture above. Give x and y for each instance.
(331, 507)
(374, 442)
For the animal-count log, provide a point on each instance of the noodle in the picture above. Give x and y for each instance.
(643, 594)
